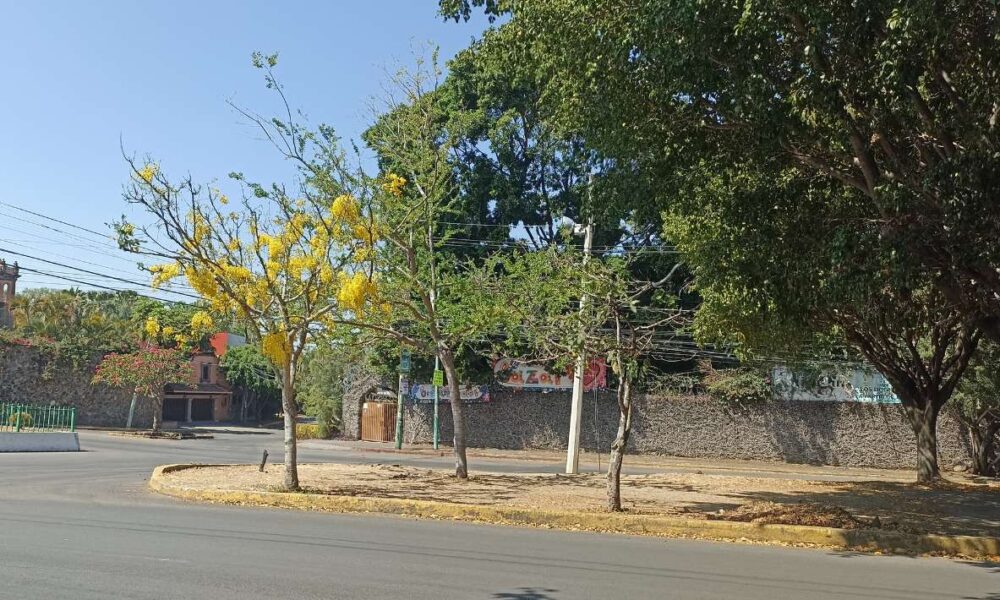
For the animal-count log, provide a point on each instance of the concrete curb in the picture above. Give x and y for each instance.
(39, 441)
(866, 540)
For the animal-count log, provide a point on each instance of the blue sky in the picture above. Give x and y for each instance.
(79, 76)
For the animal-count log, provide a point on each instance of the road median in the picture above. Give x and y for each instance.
(866, 540)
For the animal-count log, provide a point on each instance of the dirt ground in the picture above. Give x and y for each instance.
(951, 508)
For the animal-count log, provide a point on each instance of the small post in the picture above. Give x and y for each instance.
(72, 418)
(17, 419)
(263, 461)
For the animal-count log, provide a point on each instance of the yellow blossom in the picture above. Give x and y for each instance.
(168, 331)
(364, 233)
(326, 274)
(152, 327)
(275, 347)
(394, 184)
(223, 199)
(163, 274)
(345, 208)
(148, 172)
(354, 291)
(202, 281)
(201, 321)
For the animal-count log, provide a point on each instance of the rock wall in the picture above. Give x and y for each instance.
(826, 433)
(29, 376)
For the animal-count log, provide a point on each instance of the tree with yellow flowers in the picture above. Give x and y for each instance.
(410, 292)
(280, 265)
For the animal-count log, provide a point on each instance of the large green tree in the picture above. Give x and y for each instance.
(781, 266)
(862, 136)
(893, 100)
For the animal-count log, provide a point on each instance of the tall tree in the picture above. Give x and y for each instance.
(780, 265)
(278, 263)
(403, 286)
(895, 101)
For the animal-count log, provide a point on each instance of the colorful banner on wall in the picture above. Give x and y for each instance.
(423, 393)
(851, 385)
(527, 376)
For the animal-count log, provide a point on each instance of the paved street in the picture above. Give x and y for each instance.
(83, 526)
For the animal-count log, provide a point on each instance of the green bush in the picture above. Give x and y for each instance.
(741, 386)
(26, 419)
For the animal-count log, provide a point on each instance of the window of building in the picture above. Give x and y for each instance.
(206, 372)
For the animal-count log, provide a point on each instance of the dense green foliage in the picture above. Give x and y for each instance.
(737, 387)
(322, 386)
(977, 404)
(828, 170)
(255, 385)
(76, 326)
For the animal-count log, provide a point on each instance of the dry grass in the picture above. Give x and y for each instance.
(861, 505)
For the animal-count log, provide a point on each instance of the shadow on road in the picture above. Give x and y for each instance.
(527, 593)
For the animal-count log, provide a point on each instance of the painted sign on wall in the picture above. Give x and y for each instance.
(850, 385)
(527, 376)
(423, 393)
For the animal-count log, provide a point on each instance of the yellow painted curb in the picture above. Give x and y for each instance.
(869, 540)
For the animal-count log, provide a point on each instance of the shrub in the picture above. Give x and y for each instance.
(26, 419)
(740, 386)
(310, 432)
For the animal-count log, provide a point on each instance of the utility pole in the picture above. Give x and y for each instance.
(437, 398)
(404, 370)
(576, 409)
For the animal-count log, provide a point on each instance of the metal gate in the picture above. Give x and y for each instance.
(378, 421)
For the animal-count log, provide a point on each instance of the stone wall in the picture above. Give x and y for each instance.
(831, 433)
(27, 375)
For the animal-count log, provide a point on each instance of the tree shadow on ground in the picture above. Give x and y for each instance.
(991, 566)
(527, 593)
(920, 509)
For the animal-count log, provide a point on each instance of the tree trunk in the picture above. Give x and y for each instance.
(291, 410)
(457, 414)
(131, 410)
(157, 411)
(619, 445)
(982, 448)
(923, 420)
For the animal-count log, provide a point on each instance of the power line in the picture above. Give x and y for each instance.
(97, 285)
(31, 212)
(105, 276)
(33, 246)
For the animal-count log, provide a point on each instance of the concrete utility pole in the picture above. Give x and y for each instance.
(576, 409)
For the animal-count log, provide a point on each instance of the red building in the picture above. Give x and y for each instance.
(207, 396)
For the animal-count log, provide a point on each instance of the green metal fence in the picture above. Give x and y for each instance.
(25, 417)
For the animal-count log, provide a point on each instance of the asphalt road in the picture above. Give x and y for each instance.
(82, 526)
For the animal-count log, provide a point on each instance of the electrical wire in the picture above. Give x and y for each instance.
(88, 272)
(97, 285)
